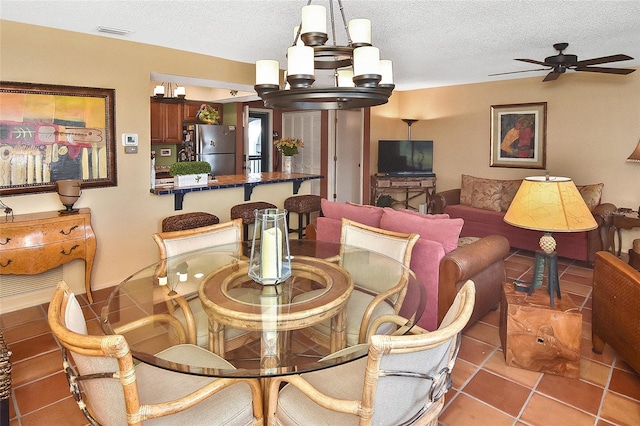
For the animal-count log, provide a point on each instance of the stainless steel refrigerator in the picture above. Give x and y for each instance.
(215, 144)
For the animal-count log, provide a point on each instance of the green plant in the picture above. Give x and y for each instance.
(288, 146)
(189, 168)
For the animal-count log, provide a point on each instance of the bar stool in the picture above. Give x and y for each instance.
(180, 222)
(246, 213)
(303, 205)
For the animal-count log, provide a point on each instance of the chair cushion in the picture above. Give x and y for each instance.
(185, 221)
(246, 211)
(303, 203)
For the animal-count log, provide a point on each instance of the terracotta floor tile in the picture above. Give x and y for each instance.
(474, 351)
(465, 410)
(607, 357)
(35, 368)
(492, 318)
(496, 364)
(544, 411)
(12, 319)
(43, 392)
(65, 412)
(571, 287)
(485, 333)
(577, 299)
(594, 372)
(31, 347)
(574, 392)
(586, 280)
(625, 383)
(498, 392)
(24, 331)
(620, 410)
(587, 315)
(462, 371)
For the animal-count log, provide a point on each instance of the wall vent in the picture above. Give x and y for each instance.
(112, 30)
(12, 285)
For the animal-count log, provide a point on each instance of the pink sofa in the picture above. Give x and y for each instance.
(482, 204)
(438, 241)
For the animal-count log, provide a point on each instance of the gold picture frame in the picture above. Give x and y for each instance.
(50, 132)
(519, 135)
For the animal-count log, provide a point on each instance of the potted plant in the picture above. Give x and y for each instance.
(190, 173)
(289, 148)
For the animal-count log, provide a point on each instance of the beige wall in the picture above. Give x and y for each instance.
(123, 217)
(593, 126)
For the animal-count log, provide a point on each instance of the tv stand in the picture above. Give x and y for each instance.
(403, 190)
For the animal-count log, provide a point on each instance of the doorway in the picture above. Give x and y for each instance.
(258, 141)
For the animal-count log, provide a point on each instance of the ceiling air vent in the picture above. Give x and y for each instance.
(115, 31)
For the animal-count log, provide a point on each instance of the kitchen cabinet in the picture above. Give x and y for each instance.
(166, 122)
(191, 108)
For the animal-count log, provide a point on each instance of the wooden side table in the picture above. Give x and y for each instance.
(34, 243)
(536, 336)
(623, 220)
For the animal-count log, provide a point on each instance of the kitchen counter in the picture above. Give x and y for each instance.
(248, 181)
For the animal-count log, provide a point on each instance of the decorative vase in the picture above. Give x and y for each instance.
(287, 164)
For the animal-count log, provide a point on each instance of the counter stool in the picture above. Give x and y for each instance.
(180, 222)
(303, 205)
(246, 212)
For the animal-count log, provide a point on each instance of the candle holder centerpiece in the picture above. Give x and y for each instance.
(270, 262)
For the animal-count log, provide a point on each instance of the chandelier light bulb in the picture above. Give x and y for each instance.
(300, 60)
(345, 78)
(386, 70)
(267, 71)
(314, 19)
(360, 32)
(366, 60)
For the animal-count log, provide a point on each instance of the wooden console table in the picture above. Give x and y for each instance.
(408, 188)
(34, 243)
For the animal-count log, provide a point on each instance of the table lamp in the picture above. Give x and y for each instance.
(69, 191)
(549, 204)
(270, 263)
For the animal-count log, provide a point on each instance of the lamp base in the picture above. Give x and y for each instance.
(69, 210)
(543, 261)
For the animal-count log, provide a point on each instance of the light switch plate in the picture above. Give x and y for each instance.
(130, 149)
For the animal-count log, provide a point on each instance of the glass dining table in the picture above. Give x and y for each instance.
(279, 328)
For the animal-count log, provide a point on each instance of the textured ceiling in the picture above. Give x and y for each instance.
(431, 43)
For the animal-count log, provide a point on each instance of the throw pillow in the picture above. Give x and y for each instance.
(592, 194)
(443, 231)
(487, 195)
(509, 190)
(466, 189)
(422, 215)
(368, 215)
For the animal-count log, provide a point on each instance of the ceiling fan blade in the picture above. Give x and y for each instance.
(552, 76)
(516, 72)
(604, 59)
(531, 61)
(621, 71)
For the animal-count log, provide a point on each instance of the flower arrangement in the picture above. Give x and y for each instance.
(208, 114)
(288, 146)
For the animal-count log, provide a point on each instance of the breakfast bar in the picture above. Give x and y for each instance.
(248, 181)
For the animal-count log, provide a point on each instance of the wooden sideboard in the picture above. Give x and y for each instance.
(37, 242)
(408, 188)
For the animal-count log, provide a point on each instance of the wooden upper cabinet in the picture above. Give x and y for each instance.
(166, 122)
(189, 111)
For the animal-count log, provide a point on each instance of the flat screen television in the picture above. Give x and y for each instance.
(405, 158)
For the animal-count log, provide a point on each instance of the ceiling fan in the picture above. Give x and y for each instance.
(560, 63)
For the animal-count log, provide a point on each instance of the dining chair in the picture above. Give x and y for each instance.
(190, 312)
(378, 291)
(402, 380)
(111, 390)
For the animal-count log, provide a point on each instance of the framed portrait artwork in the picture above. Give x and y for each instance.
(519, 135)
(49, 133)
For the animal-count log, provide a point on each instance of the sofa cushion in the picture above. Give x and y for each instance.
(367, 215)
(487, 195)
(443, 231)
(421, 215)
(509, 190)
(592, 194)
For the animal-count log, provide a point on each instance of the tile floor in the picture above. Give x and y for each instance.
(485, 391)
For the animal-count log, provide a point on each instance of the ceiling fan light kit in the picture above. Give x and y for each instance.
(560, 63)
(359, 78)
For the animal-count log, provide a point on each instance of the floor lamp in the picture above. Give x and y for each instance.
(548, 204)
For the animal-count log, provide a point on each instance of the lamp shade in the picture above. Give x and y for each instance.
(635, 155)
(550, 204)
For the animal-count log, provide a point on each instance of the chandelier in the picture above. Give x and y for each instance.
(169, 93)
(358, 78)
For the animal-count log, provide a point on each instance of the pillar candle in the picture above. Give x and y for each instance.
(271, 254)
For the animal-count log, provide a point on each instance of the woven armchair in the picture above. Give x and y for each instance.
(110, 390)
(374, 294)
(226, 235)
(616, 297)
(403, 379)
